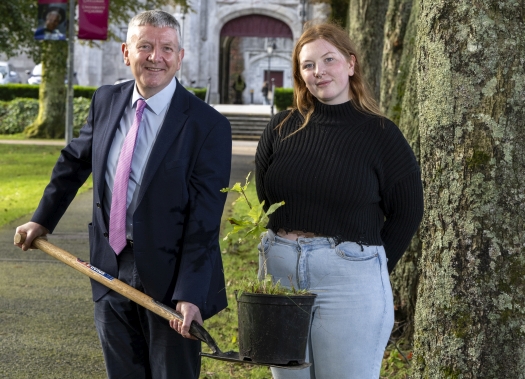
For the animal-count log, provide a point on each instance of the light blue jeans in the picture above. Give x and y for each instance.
(353, 314)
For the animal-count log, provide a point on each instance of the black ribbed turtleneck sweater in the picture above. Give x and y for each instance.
(348, 175)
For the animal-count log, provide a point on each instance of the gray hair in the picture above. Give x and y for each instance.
(156, 18)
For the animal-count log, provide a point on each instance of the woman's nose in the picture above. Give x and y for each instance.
(319, 71)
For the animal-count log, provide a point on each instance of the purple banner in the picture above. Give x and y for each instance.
(52, 20)
(93, 19)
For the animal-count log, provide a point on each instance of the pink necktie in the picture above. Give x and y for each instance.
(117, 215)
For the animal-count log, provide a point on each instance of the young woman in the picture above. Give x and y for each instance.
(353, 200)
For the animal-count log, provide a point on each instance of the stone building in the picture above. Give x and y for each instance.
(222, 39)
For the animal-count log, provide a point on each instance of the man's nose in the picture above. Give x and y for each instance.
(156, 54)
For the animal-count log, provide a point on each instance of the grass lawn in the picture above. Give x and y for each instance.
(24, 172)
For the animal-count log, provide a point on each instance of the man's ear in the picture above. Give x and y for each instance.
(125, 54)
(181, 56)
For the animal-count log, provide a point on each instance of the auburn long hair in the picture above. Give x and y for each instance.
(303, 100)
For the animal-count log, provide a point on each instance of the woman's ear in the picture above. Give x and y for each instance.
(351, 65)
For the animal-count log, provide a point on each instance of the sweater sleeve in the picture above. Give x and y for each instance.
(401, 193)
(403, 207)
(263, 158)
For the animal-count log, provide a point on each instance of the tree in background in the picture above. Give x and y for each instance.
(471, 92)
(17, 37)
(398, 100)
(366, 21)
(16, 18)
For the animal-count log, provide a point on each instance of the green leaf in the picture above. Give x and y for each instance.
(256, 213)
(274, 207)
(243, 222)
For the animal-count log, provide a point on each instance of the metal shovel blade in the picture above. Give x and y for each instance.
(234, 357)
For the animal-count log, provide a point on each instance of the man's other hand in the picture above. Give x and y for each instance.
(190, 312)
(31, 230)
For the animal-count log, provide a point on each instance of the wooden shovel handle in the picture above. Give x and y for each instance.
(116, 285)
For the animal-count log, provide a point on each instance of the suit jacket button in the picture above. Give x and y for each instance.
(98, 205)
(106, 235)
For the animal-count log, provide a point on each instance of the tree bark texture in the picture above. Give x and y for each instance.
(50, 122)
(396, 21)
(471, 89)
(366, 20)
(399, 102)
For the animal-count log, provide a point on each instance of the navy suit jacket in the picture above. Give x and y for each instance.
(179, 208)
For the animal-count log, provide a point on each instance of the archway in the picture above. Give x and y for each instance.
(253, 25)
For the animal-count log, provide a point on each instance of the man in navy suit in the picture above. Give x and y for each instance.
(181, 160)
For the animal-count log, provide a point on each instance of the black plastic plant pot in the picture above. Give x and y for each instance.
(274, 328)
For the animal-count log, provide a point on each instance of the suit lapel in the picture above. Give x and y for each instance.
(118, 103)
(171, 127)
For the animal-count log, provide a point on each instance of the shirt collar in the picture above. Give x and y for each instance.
(159, 101)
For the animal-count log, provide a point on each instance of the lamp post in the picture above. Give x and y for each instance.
(269, 49)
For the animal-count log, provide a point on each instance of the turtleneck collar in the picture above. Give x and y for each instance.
(335, 114)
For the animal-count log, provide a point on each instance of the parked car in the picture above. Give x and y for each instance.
(8, 74)
(35, 75)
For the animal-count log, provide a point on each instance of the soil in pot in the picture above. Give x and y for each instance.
(274, 328)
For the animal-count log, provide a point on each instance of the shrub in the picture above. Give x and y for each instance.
(80, 113)
(199, 92)
(17, 114)
(283, 98)
(10, 92)
(83, 91)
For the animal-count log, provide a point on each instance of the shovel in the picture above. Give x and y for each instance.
(147, 302)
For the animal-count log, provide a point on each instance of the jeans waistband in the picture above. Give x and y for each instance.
(332, 241)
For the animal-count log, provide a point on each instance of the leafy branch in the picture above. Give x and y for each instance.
(252, 224)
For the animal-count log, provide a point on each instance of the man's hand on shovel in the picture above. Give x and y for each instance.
(30, 230)
(190, 312)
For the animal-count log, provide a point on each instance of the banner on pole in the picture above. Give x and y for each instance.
(52, 20)
(93, 19)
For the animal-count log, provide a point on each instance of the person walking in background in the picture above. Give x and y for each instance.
(264, 91)
(238, 86)
(353, 200)
(159, 157)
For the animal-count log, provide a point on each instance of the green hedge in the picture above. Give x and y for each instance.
(199, 92)
(283, 98)
(17, 114)
(10, 92)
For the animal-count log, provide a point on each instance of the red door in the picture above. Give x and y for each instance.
(277, 77)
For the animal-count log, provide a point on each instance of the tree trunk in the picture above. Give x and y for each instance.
(399, 102)
(366, 23)
(50, 122)
(399, 96)
(471, 90)
(396, 22)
